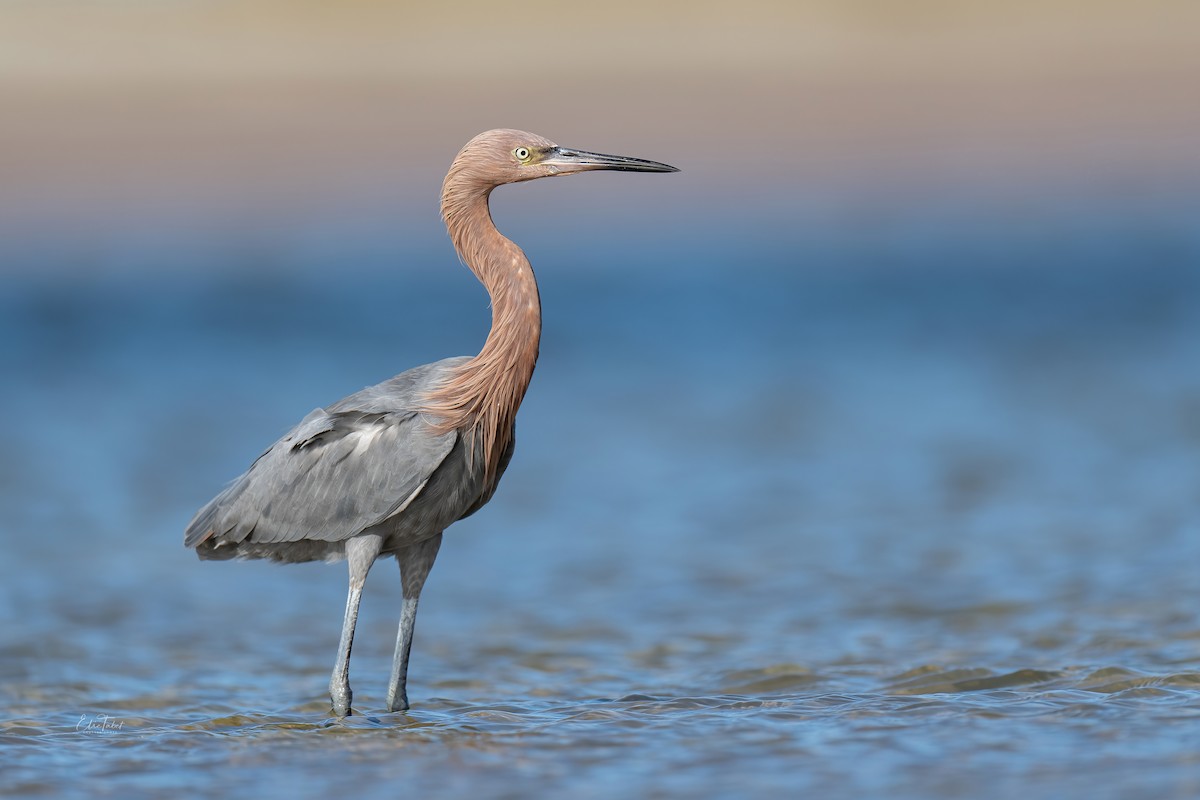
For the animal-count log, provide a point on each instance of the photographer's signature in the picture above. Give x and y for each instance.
(98, 722)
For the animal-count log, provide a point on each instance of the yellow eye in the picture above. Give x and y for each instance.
(522, 153)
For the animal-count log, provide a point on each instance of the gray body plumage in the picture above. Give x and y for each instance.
(368, 464)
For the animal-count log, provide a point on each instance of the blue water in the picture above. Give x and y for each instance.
(907, 514)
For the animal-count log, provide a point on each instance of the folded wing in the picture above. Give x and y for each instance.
(338, 472)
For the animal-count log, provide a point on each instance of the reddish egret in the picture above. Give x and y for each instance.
(384, 471)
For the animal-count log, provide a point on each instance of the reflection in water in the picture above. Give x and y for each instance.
(862, 531)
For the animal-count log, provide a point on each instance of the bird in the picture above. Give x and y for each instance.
(384, 471)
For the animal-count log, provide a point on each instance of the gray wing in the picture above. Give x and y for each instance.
(341, 470)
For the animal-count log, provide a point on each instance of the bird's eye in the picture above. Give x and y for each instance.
(522, 153)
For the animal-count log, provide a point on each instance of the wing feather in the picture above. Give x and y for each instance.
(338, 472)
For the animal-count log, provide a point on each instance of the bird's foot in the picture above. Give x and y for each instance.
(398, 703)
(341, 696)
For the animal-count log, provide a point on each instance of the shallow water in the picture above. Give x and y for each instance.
(889, 526)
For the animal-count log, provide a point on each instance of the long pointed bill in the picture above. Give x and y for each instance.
(565, 162)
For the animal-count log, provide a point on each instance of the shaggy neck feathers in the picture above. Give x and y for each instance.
(481, 397)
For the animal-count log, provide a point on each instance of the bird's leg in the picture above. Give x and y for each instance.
(361, 552)
(415, 563)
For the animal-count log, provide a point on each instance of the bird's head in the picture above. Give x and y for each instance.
(504, 156)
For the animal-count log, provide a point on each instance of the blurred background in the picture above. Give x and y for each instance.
(861, 459)
(252, 123)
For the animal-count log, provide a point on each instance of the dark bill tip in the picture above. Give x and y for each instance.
(578, 160)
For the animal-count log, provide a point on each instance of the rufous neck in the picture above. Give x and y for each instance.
(502, 268)
(480, 398)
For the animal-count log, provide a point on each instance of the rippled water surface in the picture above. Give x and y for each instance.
(918, 519)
